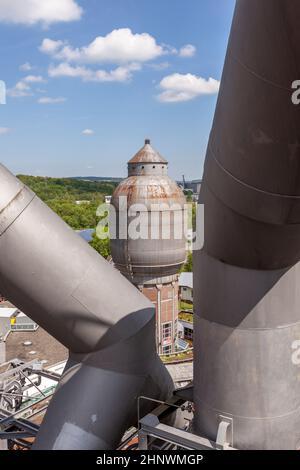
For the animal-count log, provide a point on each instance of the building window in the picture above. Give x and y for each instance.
(167, 333)
(188, 333)
(167, 350)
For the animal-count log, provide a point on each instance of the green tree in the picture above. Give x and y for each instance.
(188, 266)
(102, 246)
(61, 194)
(189, 195)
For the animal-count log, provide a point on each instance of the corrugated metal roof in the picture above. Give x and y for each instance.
(7, 312)
(147, 154)
(186, 280)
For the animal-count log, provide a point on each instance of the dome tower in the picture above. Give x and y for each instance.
(149, 247)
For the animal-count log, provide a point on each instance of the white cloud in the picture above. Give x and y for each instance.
(178, 87)
(34, 79)
(67, 70)
(119, 74)
(5, 130)
(27, 67)
(160, 66)
(120, 46)
(128, 51)
(30, 12)
(48, 100)
(23, 87)
(187, 51)
(170, 49)
(20, 90)
(49, 46)
(88, 132)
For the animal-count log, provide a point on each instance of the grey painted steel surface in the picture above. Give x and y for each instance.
(55, 277)
(160, 203)
(2, 352)
(247, 276)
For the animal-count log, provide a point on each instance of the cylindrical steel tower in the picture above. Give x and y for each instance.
(247, 277)
(151, 256)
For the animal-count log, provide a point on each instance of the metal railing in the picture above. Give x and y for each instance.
(24, 327)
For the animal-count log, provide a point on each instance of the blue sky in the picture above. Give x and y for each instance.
(88, 80)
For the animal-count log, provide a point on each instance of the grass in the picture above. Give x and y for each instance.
(189, 317)
(185, 306)
(178, 357)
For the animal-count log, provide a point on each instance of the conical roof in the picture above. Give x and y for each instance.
(147, 154)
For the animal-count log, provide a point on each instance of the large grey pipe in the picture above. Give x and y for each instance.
(50, 273)
(247, 277)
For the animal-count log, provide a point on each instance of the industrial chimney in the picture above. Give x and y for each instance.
(247, 277)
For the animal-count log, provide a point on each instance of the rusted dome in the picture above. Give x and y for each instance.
(148, 181)
(147, 154)
(149, 187)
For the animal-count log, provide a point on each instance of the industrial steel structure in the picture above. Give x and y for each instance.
(247, 277)
(246, 282)
(67, 288)
(17, 378)
(152, 260)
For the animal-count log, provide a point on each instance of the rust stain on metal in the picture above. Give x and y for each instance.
(139, 188)
(147, 154)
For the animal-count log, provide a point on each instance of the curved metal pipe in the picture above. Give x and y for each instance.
(248, 274)
(56, 278)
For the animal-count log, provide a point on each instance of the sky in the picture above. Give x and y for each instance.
(88, 80)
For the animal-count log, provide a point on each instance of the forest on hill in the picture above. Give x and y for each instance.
(75, 201)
